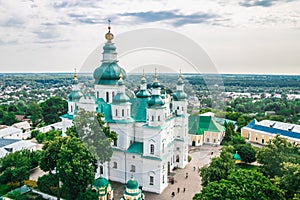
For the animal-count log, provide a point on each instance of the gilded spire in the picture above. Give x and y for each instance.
(109, 36)
(75, 75)
(121, 77)
(143, 75)
(155, 75)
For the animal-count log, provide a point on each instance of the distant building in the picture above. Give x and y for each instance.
(13, 145)
(193, 102)
(25, 127)
(203, 129)
(9, 132)
(270, 113)
(265, 130)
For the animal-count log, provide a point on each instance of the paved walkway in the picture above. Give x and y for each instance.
(200, 156)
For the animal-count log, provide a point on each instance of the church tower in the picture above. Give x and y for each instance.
(107, 75)
(74, 96)
(180, 98)
(120, 107)
(155, 109)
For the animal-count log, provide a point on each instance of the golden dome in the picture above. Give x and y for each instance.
(109, 36)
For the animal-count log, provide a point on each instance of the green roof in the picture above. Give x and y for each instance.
(199, 124)
(101, 182)
(236, 156)
(132, 184)
(136, 147)
(108, 73)
(121, 98)
(179, 95)
(143, 94)
(75, 96)
(156, 100)
(138, 109)
(67, 116)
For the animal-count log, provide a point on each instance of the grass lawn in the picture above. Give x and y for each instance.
(248, 166)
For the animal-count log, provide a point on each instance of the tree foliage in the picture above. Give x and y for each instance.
(289, 182)
(218, 168)
(277, 151)
(241, 184)
(15, 167)
(74, 165)
(247, 152)
(53, 108)
(92, 131)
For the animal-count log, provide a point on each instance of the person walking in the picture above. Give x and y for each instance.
(186, 175)
(184, 189)
(178, 190)
(173, 194)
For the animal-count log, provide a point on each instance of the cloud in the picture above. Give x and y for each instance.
(12, 22)
(175, 18)
(71, 4)
(262, 3)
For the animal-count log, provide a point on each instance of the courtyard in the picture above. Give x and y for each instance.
(201, 156)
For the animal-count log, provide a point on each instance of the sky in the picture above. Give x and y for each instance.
(238, 36)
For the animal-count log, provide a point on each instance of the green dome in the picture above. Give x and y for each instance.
(179, 95)
(109, 47)
(121, 98)
(236, 156)
(132, 184)
(155, 84)
(74, 96)
(155, 101)
(101, 182)
(180, 82)
(108, 73)
(143, 94)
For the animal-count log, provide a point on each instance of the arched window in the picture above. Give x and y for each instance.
(116, 112)
(152, 118)
(132, 168)
(163, 147)
(177, 158)
(101, 169)
(152, 149)
(71, 108)
(158, 118)
(107, 97)
(97, 94)
(113, 94)
(122, 112)
(115, 165)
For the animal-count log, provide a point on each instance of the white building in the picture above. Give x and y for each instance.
(9, 132)
(152, 127)
(13, 145)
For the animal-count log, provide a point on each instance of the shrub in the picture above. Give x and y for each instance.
(31, 183)
(189, 158)
(48, 183)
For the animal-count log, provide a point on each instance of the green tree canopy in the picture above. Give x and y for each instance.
(92, 131)
(218, 168)
(247, 152)
(74, 164)
(53, 108)
(15, 167)
(241, 184)
(277, 151)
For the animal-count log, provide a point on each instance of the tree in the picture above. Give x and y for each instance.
(229, 132)
(277, 151)
(241, 184)
(218, 168)
(35, 112)
(289, 182)
(74, 165)
(53, 108)
(246, 151)
(15, 167)
(92, 131)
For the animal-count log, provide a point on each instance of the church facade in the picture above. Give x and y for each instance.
(152, 127)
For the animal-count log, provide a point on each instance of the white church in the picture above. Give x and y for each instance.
(152, 127)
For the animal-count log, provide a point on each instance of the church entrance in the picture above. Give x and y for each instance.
(193, 143)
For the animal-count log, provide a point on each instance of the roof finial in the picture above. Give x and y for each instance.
(155, 75)
(143, 75)
(180, 74)
(108, 24)
(121, 77)
(109, 36)
(75, 75)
